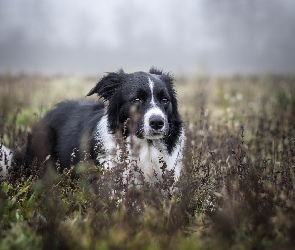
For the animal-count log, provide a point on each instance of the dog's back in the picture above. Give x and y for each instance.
(65, 131)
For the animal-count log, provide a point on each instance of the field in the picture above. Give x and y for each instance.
(236, 190)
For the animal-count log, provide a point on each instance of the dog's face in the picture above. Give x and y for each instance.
(144, 104)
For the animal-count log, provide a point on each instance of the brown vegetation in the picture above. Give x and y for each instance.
(236, 189)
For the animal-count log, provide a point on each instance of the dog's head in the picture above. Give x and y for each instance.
(146, 100)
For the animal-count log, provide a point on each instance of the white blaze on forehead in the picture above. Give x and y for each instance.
(154, 110)
(151, 84)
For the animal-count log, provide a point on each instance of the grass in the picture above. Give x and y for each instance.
(236, 190)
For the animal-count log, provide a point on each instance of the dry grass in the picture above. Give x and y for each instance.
(236, 191)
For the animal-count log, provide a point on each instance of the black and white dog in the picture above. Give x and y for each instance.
(140, 107)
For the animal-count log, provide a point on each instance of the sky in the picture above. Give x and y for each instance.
(183, 36)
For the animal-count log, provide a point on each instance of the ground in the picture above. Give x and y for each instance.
(236, 189)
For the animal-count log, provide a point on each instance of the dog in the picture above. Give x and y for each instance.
(139, 107)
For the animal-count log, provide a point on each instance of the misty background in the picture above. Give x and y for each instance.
(90, 37)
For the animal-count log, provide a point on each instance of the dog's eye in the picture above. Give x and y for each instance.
(137, 100)
(165, 100)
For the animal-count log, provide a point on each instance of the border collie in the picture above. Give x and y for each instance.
(140, 107)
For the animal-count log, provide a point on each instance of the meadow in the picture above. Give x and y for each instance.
(236, 190)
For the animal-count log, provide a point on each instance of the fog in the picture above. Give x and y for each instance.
(89, 37)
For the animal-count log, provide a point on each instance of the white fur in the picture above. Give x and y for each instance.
(154, 110)
(146, 153)
(148, 131)
(5, 160)
(151, 84)
(107, 142)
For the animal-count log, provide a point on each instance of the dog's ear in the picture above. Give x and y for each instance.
(108, 84)
(166, 77)
(155, 71)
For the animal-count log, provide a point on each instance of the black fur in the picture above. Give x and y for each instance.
(64, 130)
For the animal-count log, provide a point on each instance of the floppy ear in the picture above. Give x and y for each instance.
(107, 85)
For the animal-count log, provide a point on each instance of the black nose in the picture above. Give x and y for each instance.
(156, 122)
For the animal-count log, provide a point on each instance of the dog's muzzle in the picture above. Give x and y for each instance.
(155, 124)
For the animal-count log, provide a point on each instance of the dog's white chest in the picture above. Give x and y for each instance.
(149, 156)
(152, 157)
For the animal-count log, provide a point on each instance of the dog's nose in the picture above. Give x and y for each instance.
(156, 122)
